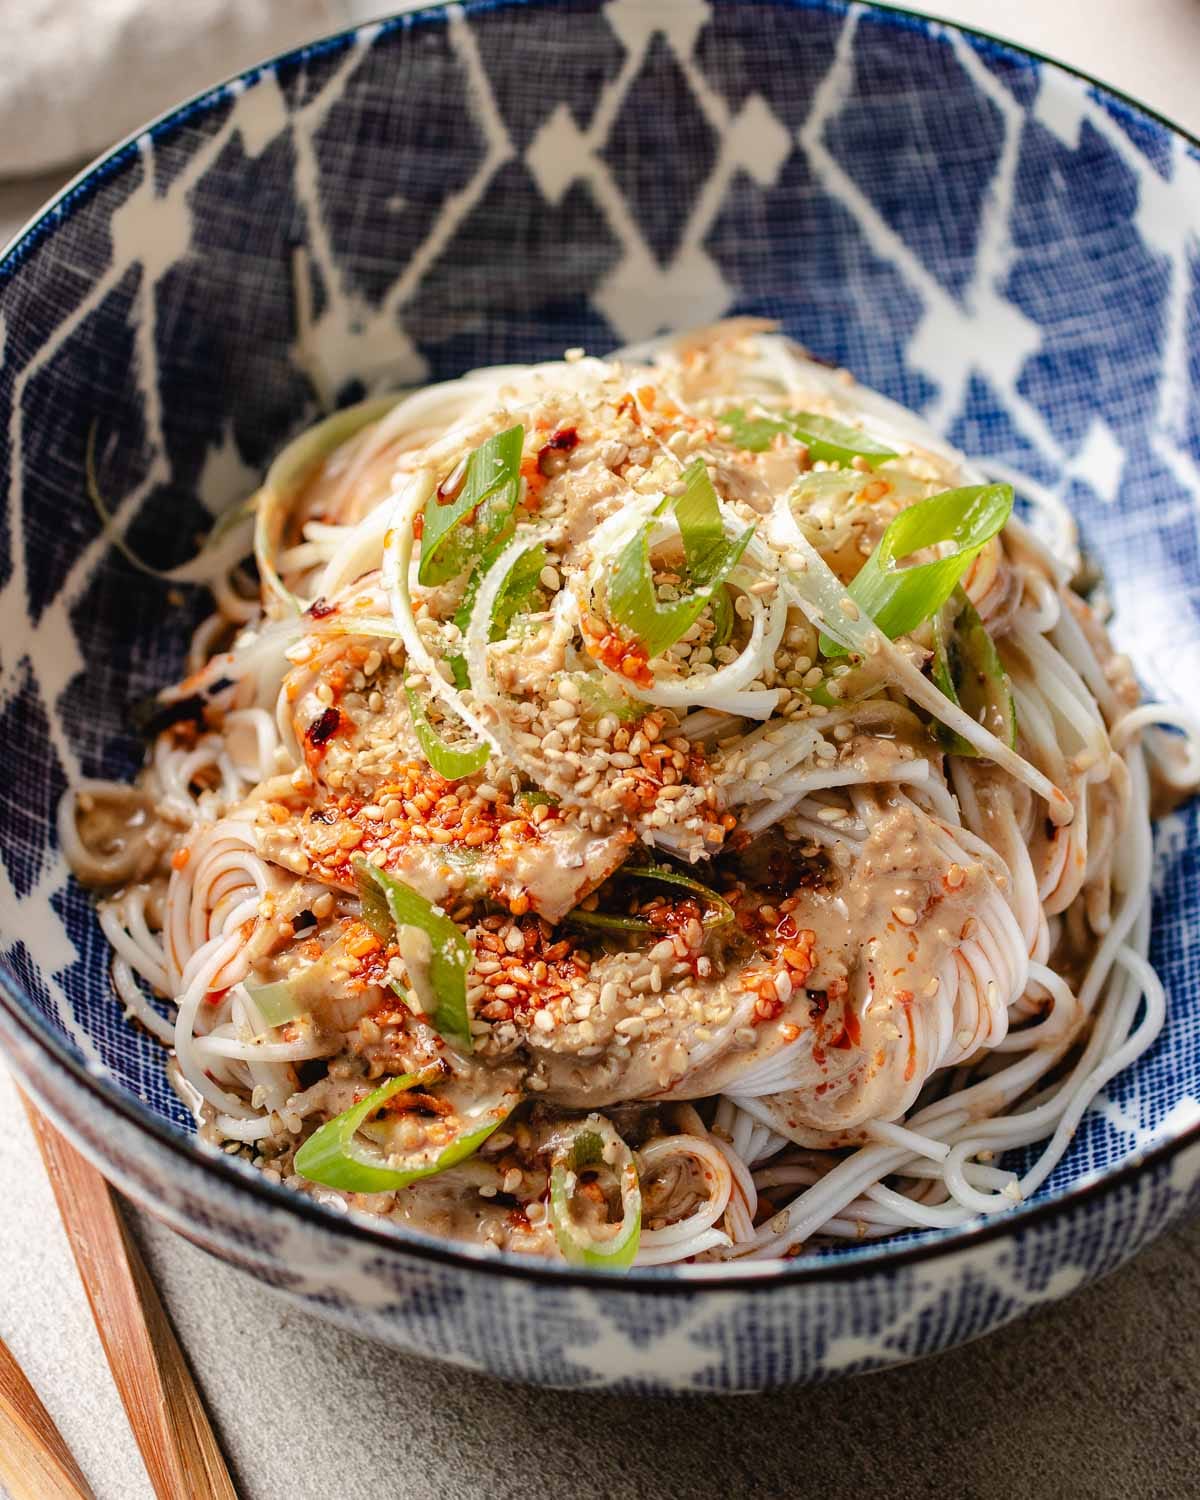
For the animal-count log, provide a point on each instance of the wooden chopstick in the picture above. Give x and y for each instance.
(161, 1400)
(35, 1463)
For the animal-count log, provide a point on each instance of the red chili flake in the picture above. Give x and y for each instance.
(321, 607)
(624, 657)
(905, 997)
(563, 441)
(447, 491)
(415, 1099)
(323, 729)
(419, 525)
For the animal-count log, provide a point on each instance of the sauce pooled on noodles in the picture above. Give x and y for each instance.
(643, 809)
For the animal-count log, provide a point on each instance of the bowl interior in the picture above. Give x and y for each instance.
(988, 238)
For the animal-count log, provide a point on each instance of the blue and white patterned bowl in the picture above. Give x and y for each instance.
(996, 242)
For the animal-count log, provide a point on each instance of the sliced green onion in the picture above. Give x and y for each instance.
(900, 599)
(720, 912)
(518, 587)
(441, 984)
(458, 671)
(722, 613)
(826, 440)
(451, 762)
(854, 685)
(593, 1143)
(968, 669)
(517, 591)
(278, 1003)
(820, 594)
(598, 700)
(334, 1156)
(536, 798)
(710, 558)
(820, 695)
(489, 492)
(304, 991)
(292, 469)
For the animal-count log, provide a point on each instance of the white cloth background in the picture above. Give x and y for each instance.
(1099, 1397)
(76, 75)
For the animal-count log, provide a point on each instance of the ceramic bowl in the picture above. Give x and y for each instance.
(1001, 244)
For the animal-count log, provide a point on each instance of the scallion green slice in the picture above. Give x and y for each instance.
(451, 762)
(487, 497)
(388, 905)
(599, 700)
(719, 914)
(459, 672)
(335, 1156)
(826, 440)
(709, 557)
(968, 669)
(722, 614)
(899, 599)
(304, 990)
(518, 590)
(593, 1144)
(278, 1003)
(537, 798)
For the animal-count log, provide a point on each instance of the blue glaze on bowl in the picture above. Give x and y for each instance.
(1000, 244)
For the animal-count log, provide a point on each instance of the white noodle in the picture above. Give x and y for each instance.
(1002, 1053)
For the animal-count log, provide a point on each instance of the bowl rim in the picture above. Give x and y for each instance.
(852, 1263)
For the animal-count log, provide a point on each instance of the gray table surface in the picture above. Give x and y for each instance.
(1096, 1397)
